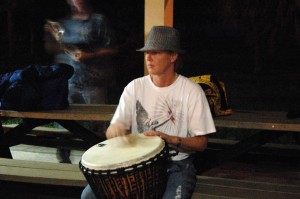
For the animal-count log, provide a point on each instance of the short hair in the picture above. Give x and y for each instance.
(178, 63)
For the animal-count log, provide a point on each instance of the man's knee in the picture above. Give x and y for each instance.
(87, 193)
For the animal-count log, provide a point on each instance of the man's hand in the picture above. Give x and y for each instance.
(115, 130)
(168, 138)
(54, 29)
(75, 54)
(196, 143)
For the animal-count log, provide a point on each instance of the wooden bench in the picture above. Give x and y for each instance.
(47, 136)
(269, 125)
(32, 179)
(260, 120)
(213, 188)
(42, 130)
(68, 118)
(43, 173)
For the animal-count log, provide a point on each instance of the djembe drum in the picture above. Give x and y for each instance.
(131, 166)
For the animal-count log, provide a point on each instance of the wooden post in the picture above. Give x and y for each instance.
(157, 12)
(169, 12)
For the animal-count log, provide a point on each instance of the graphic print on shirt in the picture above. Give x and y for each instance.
(165, 117)
(143, 121)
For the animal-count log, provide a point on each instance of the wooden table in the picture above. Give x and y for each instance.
(261, 120)
(68, 118)
(270, 125)
(84, 112)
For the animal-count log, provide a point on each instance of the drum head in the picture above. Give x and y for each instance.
(122, 151)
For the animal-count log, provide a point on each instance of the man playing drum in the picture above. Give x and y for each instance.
(167, 105)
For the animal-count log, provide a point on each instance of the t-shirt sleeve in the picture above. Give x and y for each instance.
(199, 114)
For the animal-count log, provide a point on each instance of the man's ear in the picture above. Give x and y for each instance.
(174, 57)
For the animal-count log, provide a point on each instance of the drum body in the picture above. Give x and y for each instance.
(131, 166)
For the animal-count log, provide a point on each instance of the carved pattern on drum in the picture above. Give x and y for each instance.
(145, 183)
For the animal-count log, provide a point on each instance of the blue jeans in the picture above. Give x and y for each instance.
(181, 181)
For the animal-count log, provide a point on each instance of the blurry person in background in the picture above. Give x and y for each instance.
(84, 40)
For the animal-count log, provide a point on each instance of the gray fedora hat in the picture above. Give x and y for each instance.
(163, 38)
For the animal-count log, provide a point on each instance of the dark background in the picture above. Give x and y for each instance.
(251, 45)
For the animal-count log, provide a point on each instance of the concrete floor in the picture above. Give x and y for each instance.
(44, 154)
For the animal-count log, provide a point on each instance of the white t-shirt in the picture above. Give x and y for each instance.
(180, 109)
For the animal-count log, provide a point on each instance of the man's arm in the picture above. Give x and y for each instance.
(81, 55)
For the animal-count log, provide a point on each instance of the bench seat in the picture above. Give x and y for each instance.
(207, 187)
(225, 188)
(41, 172)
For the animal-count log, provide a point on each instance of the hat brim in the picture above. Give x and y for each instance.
(145, 49)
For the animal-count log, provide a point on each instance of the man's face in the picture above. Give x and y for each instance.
(160, 62)
(80, 5)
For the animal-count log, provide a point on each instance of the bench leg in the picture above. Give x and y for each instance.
(4, 149)
(14, 136)
(80, 132)
(256, 140)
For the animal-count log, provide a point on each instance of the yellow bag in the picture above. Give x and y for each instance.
(215, 94)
